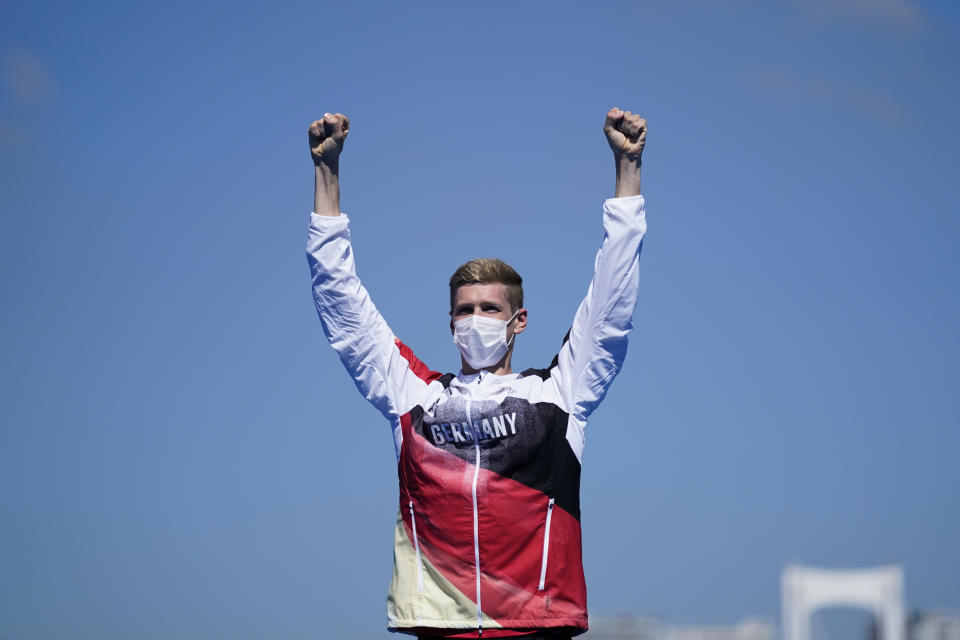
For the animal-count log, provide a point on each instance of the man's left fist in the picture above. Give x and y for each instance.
(327, 136)
(626, 132)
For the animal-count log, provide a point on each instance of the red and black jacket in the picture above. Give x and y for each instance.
(488, 526)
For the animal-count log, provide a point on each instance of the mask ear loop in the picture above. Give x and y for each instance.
(510, 344)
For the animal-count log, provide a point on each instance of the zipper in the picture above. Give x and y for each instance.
(546, 545)
(416, 546)
(476, 528)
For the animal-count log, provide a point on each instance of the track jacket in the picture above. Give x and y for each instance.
(488, 527)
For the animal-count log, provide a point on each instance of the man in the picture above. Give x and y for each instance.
(487, 541)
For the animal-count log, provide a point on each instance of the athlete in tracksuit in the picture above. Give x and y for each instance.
(487, 540)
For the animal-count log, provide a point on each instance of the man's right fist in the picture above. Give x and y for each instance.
(327, 136)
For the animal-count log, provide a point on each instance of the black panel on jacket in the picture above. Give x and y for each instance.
(523, 441)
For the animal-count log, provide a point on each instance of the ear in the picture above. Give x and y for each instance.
(520, 322)
(451, 323)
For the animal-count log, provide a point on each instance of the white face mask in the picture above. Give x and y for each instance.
(482, 341)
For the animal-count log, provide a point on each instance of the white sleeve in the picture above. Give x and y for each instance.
(385, 372)
(597, 343)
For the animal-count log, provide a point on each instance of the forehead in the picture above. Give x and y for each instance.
(476, 293)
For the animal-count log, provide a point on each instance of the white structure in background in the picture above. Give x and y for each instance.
(806, 589)
(637, 628)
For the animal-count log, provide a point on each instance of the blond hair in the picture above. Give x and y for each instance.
(488, 271)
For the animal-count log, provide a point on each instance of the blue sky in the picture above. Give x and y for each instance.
(182, 455)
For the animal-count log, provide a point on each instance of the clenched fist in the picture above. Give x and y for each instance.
(626, 132)
(327, 136)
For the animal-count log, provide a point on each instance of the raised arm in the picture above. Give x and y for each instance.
(384, 370)
(326, 143)
(596, 346)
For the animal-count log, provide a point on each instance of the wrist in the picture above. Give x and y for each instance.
(326, 192)
(331, 169)
(628, 177)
